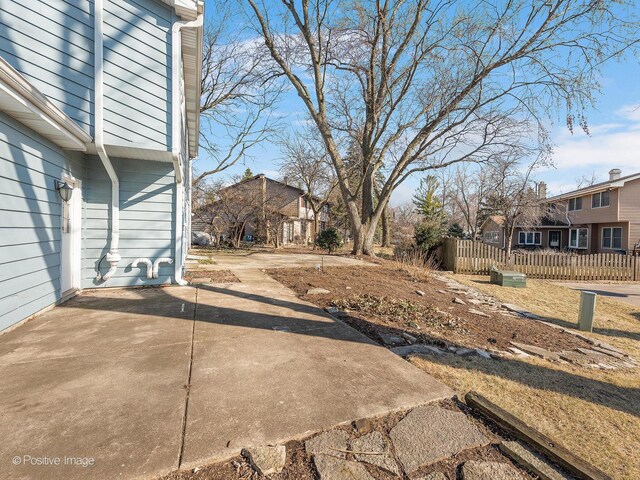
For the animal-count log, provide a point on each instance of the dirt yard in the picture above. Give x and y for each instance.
(595, 413)
(211, 276)
(384, 300)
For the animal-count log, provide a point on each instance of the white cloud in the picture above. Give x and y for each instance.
(630, 112)
(610, 145)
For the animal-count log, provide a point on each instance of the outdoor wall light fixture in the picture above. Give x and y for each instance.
(64, 190)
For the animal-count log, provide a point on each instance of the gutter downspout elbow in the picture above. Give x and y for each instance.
(147, 262)
(156, 265)
(176, 128)
(113, 257)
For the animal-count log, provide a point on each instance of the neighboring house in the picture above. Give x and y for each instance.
(548, 233)
(99, 99)
(604, 217)
(262, 209)
(492, 231)
(600, 218)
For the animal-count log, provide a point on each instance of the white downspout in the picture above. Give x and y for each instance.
(113, 257)
(177, 109)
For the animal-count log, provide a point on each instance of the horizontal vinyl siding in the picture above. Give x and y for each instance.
(137, 76)
(147, 221)
(29, 220)
(51, 44)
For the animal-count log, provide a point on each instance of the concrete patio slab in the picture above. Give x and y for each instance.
(105, 377)
(105, 386)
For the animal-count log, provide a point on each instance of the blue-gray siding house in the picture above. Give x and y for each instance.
(103, 96)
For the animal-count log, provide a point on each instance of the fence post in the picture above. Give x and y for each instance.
(572, 267)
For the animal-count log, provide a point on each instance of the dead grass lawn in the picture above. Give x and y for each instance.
(594, 413)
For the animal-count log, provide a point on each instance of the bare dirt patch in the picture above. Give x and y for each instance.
(384, 301)
(213, 276)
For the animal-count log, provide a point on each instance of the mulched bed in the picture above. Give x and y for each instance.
(384, 300)
(215, 276)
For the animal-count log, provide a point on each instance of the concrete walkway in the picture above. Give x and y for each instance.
(135, 383)
(260, 260)
(624, 292)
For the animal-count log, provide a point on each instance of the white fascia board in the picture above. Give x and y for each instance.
(185, 9)
(25, 103)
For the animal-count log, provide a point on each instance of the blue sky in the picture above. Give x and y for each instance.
(614, 140)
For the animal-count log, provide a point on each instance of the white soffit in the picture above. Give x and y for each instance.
(22, 101)
(192, 68)
(185, 9)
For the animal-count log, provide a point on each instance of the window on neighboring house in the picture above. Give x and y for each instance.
(601, 199)
(575, 204)
(579, 238)
(612, 237)
(529, 238)
(491, 237)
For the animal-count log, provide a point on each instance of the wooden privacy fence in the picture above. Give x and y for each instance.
(467, 256)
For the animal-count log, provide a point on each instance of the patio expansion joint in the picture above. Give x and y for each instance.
(187, 385)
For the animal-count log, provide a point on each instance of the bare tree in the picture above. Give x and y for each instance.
(239, 91)
(403, 219)
(421, 85)
(512, 195)
(307, 165)
(469, 190)
(235, 209)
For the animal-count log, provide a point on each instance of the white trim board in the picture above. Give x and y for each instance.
(22, 101)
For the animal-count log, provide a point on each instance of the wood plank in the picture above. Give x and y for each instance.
(538, 441)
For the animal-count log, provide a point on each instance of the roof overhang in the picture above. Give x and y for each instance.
(185, 9)
(22, 101)
(601, 187)
(192, 67)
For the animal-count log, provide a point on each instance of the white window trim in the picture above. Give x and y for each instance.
(600, 195)
(611, 247)
(577, 237)
(534, 238)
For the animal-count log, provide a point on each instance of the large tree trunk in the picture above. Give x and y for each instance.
(386, 228)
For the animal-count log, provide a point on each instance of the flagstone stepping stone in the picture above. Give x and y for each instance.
(391, 340)
(318, 291)
(433, 476)
(374, 443)
(330, 442)
(429, 434)
(267, 459)
(520, 311)
(474, 470)
(334, 468)
(531, 461)
(417, 348)
(537, 351)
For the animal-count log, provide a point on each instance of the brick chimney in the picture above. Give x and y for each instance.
(542, 190)
(614, 174)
